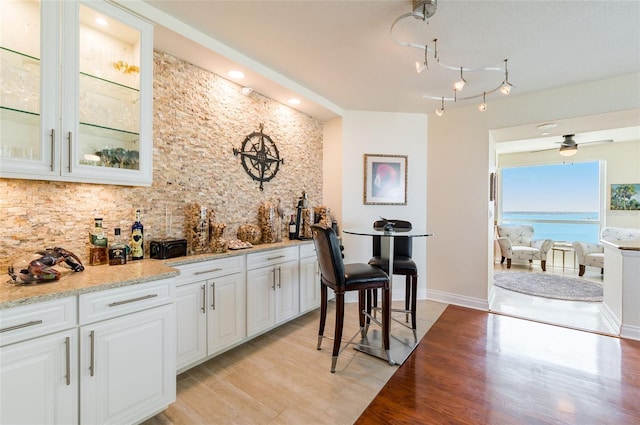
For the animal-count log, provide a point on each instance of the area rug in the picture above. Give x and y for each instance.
(549, 286)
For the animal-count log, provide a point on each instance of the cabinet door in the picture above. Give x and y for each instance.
(309, 284)
(191, 319)
(287, 291)
(226, 318)
(261, 289)
(39, 381)
(127, 366)
(29, 88)
(106, 101)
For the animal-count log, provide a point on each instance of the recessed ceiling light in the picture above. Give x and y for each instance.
(545, 133)
(547, 126)
(235, 74)
(294, 101)
(101, 21)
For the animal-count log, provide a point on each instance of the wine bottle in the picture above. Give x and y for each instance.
(137, 239)
(117, 250)
(292, 228)
(98, 240)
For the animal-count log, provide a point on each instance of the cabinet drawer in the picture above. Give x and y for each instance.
(34, 320)
(116, 302)
(307, 250)
(209, 269)
(275, 256)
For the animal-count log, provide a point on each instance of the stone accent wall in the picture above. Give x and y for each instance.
(199, 118)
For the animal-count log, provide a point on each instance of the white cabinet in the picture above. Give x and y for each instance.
(75, 96)
(38, 370)
(127, 353)
(309, 278)
(210, 307)
(272, 288)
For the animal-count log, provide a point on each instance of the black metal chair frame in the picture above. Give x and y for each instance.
(342, 278)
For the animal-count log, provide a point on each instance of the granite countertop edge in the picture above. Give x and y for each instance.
(100, 278)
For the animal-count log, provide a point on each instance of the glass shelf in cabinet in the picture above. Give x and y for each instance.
(109, 133)
(19, 116)
(109, 88)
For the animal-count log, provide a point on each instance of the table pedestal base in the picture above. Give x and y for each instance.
(399, 347)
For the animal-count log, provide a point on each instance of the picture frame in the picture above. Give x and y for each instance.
(385, 179)
(625, 197)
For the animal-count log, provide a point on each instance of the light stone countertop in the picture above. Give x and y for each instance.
(98, 278)
(623, 245)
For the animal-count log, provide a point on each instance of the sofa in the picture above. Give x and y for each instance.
(516, 242)
(592, 255)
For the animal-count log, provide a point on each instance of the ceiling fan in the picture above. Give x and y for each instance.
(569, 147)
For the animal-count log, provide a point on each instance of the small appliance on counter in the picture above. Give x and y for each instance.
(167, 248)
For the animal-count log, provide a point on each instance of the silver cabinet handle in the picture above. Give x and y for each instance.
(213, 296)
(53, 145)
(70, 155)
(275, 258)
(208, 271)
(132, 300)
(22, 325)
(67, 343)
(92, 335)
(273, 286)
(204, 299)
(279, 277)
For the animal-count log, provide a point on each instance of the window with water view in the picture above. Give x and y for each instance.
(561, 201)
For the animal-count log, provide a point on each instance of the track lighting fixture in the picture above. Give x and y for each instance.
(459, 85)
(421, 66)
(423, 10)
(506, 85)
(440, 112)
(483, 106)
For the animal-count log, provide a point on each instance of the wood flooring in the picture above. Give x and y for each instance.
(474, 367)
(281, 378)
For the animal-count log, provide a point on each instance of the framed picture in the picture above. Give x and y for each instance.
(385, 179)
(625, 197)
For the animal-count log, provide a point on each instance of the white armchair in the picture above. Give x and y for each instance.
(592, 255)
(516, 242)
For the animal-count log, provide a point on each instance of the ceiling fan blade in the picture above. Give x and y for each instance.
(593, 142)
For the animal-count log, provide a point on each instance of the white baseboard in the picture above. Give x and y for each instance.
(630, 332)
(455, 299)
(610, 316)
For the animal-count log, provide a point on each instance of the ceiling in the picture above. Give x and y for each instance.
(338, 55)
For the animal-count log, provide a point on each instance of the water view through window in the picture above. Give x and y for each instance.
(561, 201)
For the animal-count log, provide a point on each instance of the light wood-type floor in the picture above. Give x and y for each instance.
(574, 314)
(280, 377)
(474, 367)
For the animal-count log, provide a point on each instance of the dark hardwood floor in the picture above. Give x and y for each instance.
(475, 367)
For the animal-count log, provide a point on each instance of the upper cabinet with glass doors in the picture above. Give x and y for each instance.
(75, 92)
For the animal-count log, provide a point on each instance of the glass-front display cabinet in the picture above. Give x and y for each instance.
(76, 86)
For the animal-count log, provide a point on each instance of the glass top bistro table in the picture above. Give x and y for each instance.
(400, 347)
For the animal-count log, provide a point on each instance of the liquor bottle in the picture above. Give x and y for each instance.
(98, 240)
(137, 239)
(292, 228)
(117, 250)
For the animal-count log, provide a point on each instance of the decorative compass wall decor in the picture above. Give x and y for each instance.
(260, 157)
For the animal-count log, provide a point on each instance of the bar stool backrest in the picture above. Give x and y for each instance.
(402, 247)
(329, 254)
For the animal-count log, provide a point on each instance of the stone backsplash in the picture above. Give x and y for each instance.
(199, 118)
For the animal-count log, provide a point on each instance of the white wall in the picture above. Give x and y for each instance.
(458, 166)
(332, 167)
(383, 133)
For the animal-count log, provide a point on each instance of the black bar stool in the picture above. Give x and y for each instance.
(403, 264)
(348, 277)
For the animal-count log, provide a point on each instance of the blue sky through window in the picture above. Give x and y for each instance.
(552, 188)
